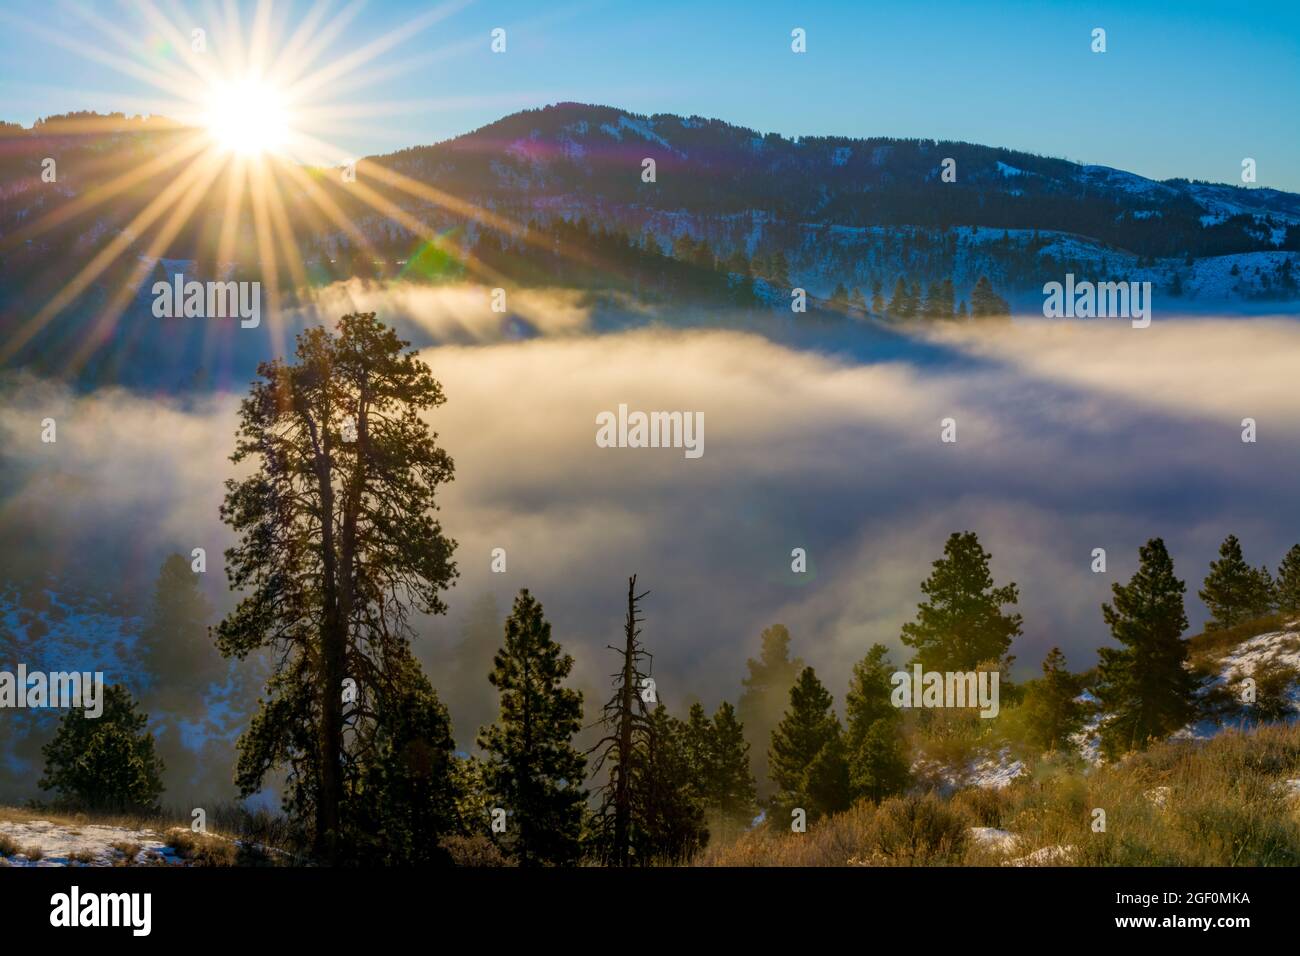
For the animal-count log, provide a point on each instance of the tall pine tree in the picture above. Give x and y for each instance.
(531, 768)
(877, 754)
(1144, 684)
(338, 539)
(962, 624)
(806, 756)
(1233, 590)
(766, 693)
(1288, 582)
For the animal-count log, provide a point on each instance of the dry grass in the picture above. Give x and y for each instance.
(1226, 804)
(1205, 650)
(8, 846)
(201, 849)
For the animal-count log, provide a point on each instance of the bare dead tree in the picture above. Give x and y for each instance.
(628, 738)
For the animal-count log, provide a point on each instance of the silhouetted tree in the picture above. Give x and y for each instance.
(337, 536)
(1144, 684)
(105, 763)
(962, 624)
(531, 767)
(807, 758)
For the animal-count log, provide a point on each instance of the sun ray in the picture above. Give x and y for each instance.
(102, 260)
(189, 147)
(206, 171)
(346, 64)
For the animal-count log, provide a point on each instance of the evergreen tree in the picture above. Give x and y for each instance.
(183, 663)
(1144, 684)
(961, 310)
(1288, 582)
(404, 798)
(877, 299)
(780, 276)
(1263, 598)
(1052, 712)
(763, 701)
(718, 757)
(669, 817)
(730, 784)
(877, 757)
(532, 769)
(947, 299)
(337, 539)
(985, 302)
(898, 303)
(105, 763)
(856, 299)
(961, 624)
(806, 756)
(840, 297)
(932, 307)
(1233, 591)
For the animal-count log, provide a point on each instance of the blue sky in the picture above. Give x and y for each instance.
(1184, 89)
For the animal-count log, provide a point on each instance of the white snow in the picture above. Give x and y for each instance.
(994, 838)
(58, 844)
(1046, 856)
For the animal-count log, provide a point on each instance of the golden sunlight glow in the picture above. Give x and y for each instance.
(249, 118)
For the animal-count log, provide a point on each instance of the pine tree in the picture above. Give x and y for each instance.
(337, 542)
(405, 796)
(766, 693)
(806, 756)
(669, 810)
(947, 299)
(1144, 684)
(532, 768)
(730, 784)
(961, 624)
(932, 308)
(840, 297)
(898, 303)
(985, 302)
(1052, 712)
(1232, 589)
(1288, 582)
(877, 299)
(180, 656)
(780, 270)
(878, 765)
(1263, 596)
(105, 763)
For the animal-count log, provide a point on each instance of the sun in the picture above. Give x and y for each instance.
(248, 117)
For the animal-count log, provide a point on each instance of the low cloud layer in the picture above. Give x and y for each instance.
(1067, 440)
